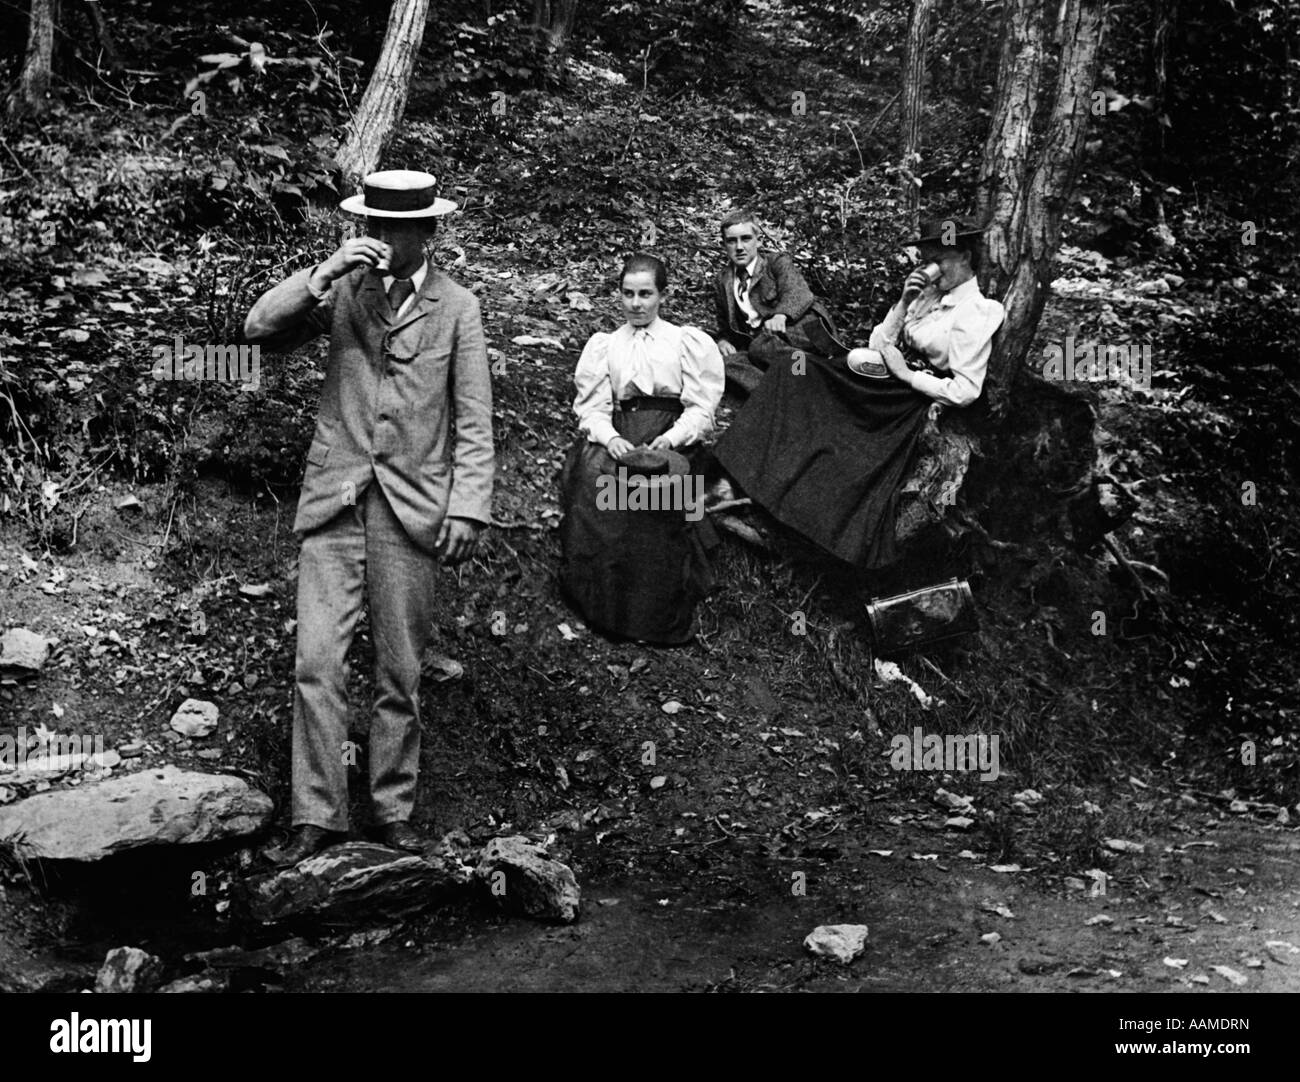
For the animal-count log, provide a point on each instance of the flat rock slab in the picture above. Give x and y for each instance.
(164, 806)
(519, 874)
(23, 651)
(354, 883)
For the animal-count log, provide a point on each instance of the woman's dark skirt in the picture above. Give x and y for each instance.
(637, 574)
(825, 451)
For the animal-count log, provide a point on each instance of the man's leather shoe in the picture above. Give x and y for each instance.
(306, 841)
(400, 835)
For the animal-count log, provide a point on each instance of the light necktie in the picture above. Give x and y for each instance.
(398, 292)
(640, 368)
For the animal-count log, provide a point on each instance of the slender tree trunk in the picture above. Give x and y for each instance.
(385, 98)
(553, 19)
(1163, 14)
(918, 36)
(108, 53)
(33, 90)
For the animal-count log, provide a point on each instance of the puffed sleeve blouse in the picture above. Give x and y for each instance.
(953, 331)
(661, 360)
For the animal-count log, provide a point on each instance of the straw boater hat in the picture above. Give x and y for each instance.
(399, 193)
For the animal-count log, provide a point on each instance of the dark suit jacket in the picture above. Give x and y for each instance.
(391, 388)
(777, 287)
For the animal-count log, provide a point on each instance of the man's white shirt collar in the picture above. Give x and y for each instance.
(417, 280)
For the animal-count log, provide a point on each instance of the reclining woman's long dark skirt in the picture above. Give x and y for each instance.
(825, 452)
(635, 574)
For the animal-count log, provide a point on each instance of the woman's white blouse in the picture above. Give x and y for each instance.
(953, 331)
(662, 360)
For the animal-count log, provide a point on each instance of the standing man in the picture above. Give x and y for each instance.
(389, 492)
(765, 310)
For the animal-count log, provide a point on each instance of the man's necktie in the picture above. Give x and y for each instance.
(398, 292)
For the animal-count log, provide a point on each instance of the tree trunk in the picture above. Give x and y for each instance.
(1027, 193)
(385, 98)
(33, 90)
(1005, 169)
(108, 53)
(1163, 14)
(918, 35)
(553, 19)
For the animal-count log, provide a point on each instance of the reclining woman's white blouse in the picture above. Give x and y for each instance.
(953, 331)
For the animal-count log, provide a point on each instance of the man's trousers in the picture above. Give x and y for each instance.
(364, 546)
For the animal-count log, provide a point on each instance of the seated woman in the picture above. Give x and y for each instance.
(634, 561)
(825, 446)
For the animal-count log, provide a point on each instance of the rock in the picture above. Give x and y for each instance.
(953, 802)
(197, 983)
(49, 767)
(195, 718)
(132, 750)
(278, 956)
(959, 822)
(165, 806)
(531, 883)
(1038, 965)
(1121, 845)
(353, 883)
(843, 942)
(1230, 975)
(128, 969)
(23, 651)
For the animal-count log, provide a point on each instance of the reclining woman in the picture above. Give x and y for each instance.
(633, 537)
(825, 446)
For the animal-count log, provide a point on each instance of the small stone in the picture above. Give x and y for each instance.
(209, 753)
(128, 969)
(843, 942)
(990, 938)
(194, 984)
(196, 718)
(132, 750)
(23, 651)
(521, 876)
(959, 822)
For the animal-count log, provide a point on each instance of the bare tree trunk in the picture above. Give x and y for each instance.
(1163, 14)
(554, 20)
(103, 36)
(385, 98)
(33, 90)
(1026, 196)
(1004, 171)
(918, 35)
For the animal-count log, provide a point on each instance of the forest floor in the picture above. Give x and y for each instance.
(771, 805)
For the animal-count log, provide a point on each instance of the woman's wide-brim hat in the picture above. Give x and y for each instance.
(399, 193)
(947, 231)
